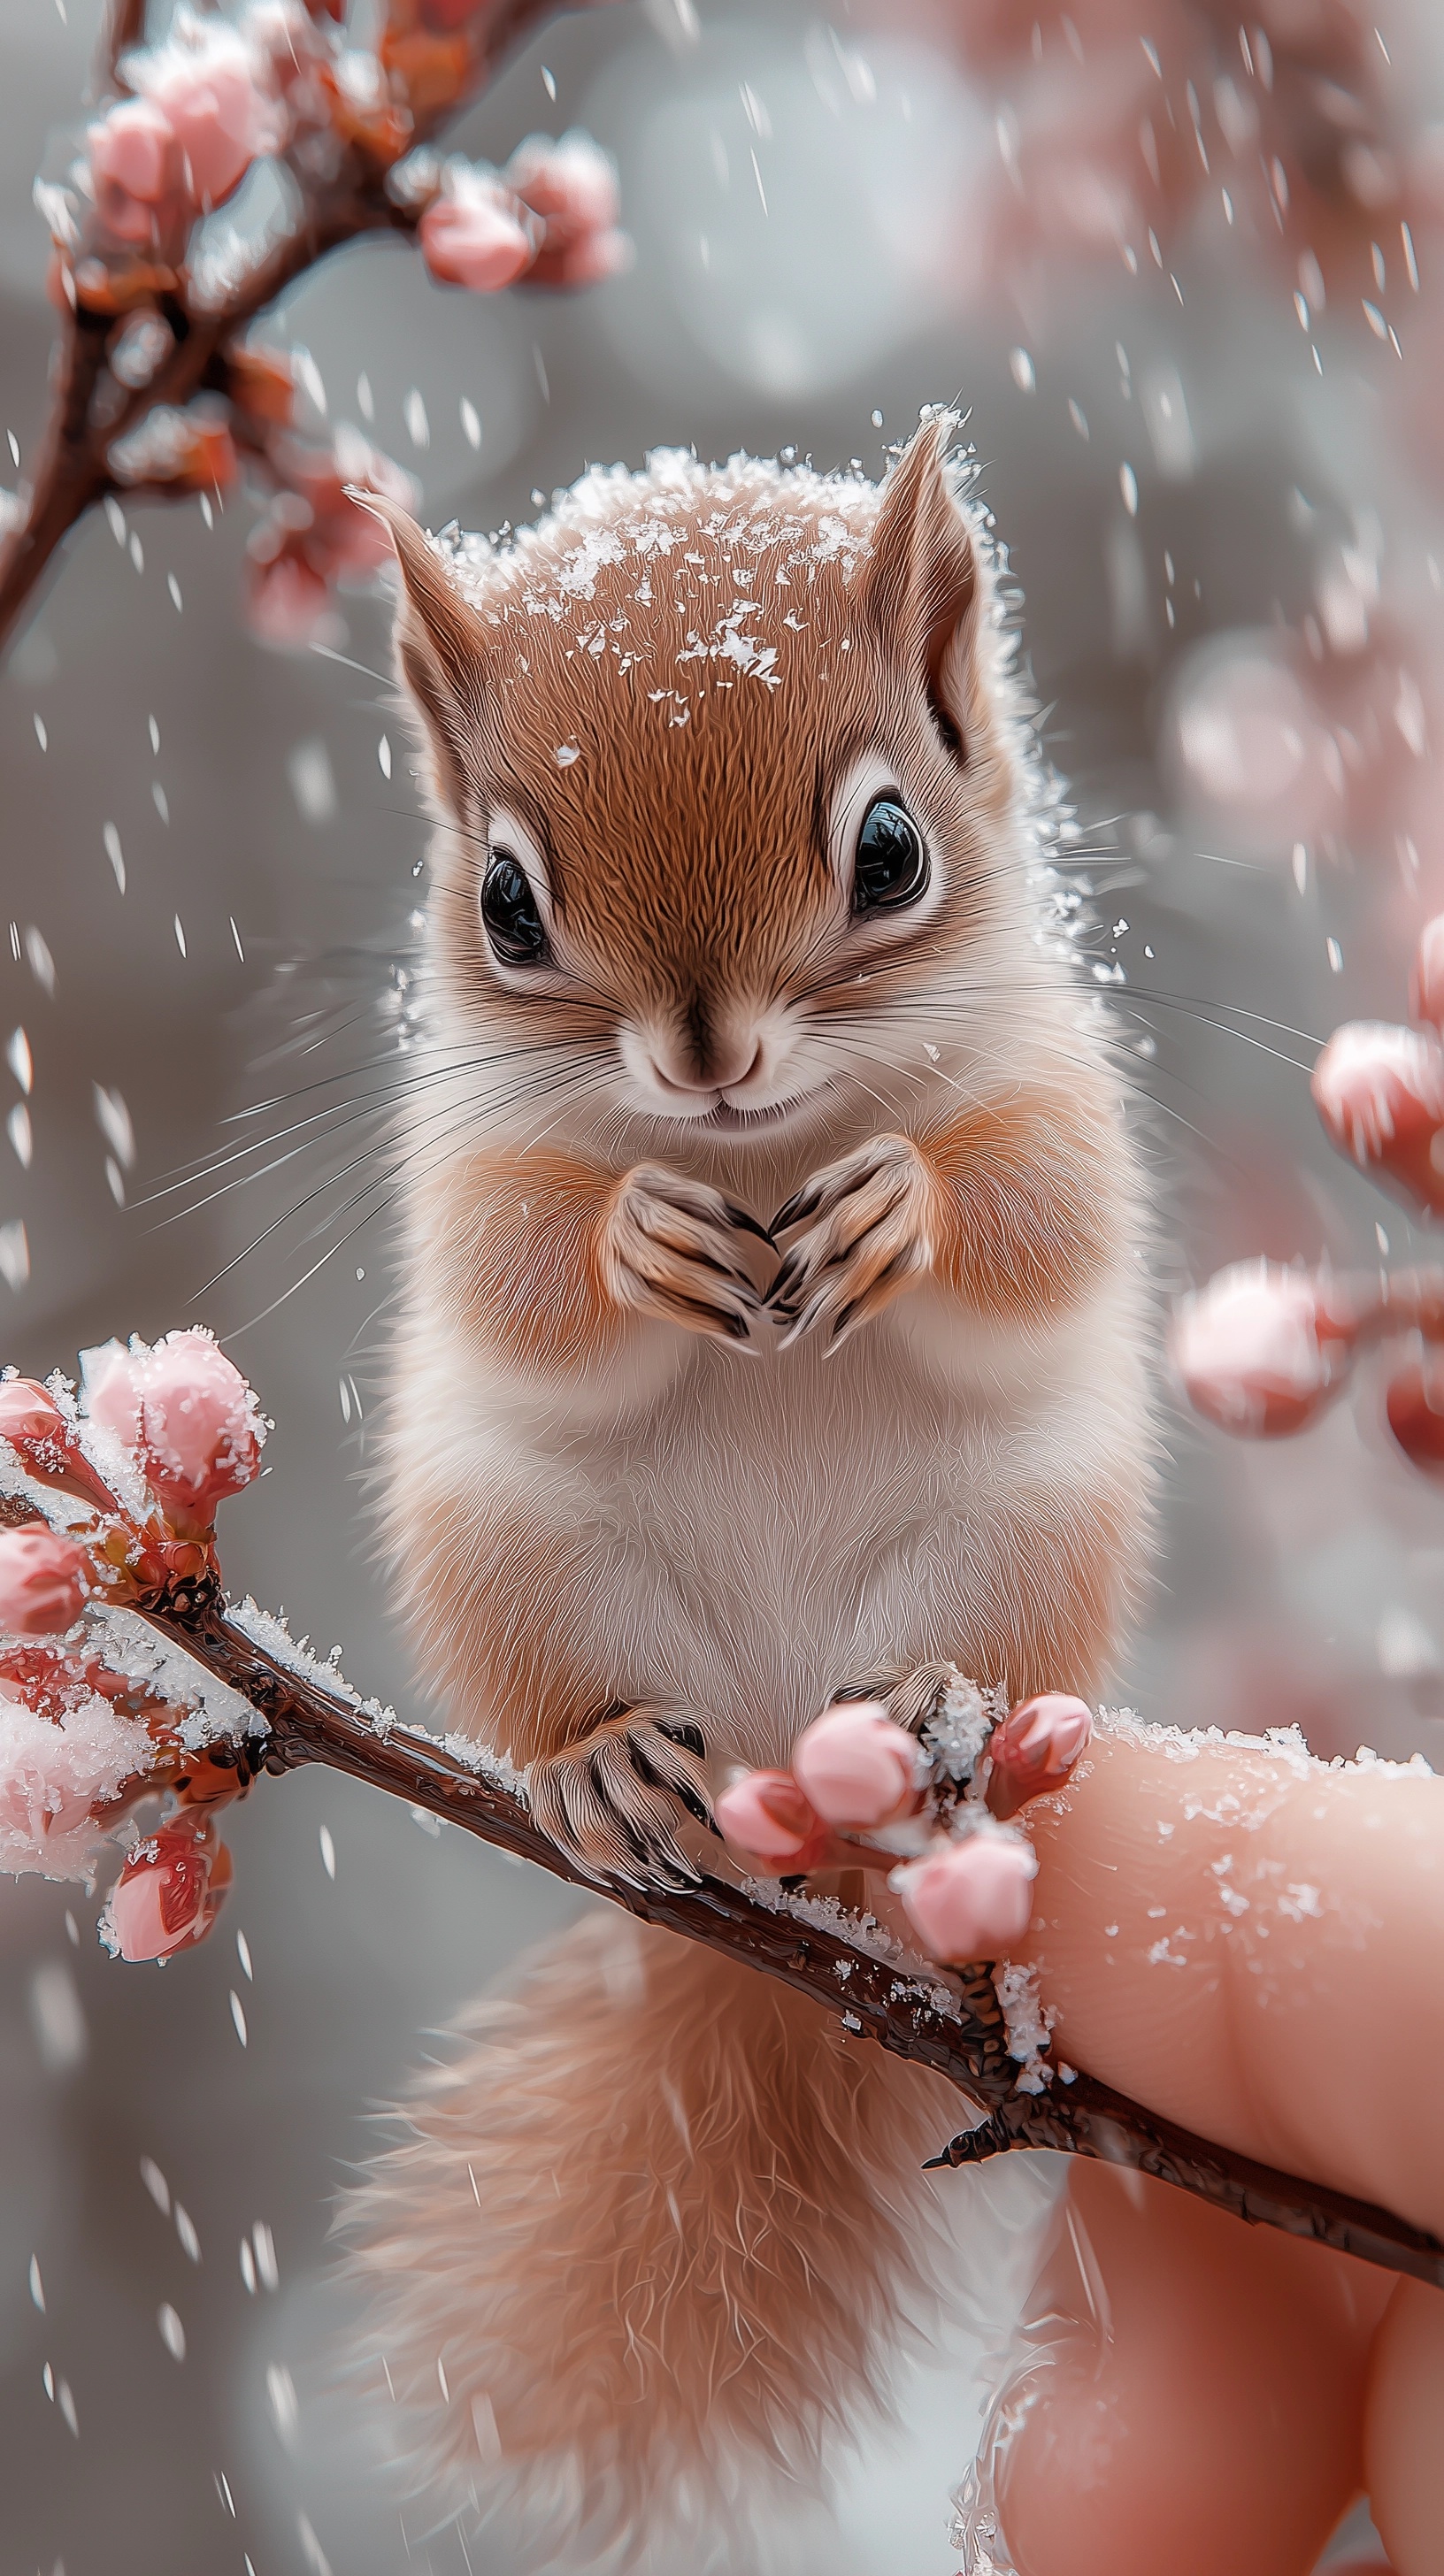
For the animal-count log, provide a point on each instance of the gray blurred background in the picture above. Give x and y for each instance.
(778, 177)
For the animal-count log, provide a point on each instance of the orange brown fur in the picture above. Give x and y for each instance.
(653, 1485)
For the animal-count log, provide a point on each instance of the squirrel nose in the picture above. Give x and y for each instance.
(695, 1062)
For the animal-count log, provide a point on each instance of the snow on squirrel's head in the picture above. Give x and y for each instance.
(730, 789)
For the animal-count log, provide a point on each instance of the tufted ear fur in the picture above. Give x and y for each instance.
(441, 651)
(921, 583)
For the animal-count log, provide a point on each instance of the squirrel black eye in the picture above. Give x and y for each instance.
(509, 910)
(891, 868)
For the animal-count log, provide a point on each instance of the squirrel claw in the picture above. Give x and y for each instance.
(609, 1802)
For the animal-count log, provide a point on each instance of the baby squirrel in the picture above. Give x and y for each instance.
(773, 1332)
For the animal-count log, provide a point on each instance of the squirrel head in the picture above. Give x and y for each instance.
(722, 765)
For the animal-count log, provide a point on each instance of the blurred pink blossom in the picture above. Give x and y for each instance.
(42, 1581)
(212, 88)
(1248, 744)
(1414, 1405)
(135, 170)
(315, 534)
(572, 186)
(471, 234)
(1257, 1350)
(1380, 1093)
(289, 605)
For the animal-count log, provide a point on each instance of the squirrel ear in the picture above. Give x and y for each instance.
(441, 647)
(921, 579)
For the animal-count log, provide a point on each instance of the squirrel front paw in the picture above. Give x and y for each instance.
(611, 1801)
(870, 1236)
(669, 1248)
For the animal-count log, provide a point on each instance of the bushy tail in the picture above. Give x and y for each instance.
(654, 2229)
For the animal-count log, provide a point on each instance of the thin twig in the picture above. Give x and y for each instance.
(949, 2020)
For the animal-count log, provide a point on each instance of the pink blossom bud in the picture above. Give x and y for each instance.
(112, 1397)
(289, 605)
(135, 165)
(1380, 1093)
(1257, 1350)
(133, 148)
(1415, 1407)
(209, 85)
(471, 236)
(588, 261)
(856, 1766)
(766, 1814)
(169, 1892)
(42, 1581)
(572, 185)
(970, 1899)
(200, 1428)
(1035, 1749)
(29, 1415)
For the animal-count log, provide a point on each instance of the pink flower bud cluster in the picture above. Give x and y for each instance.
(1261, 1351)
(205, 107)
(855, 1774)
(315, 535)
(166, 1434)
(550, 216)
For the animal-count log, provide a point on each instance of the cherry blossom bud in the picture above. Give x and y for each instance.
(1380, 1093)
(42, 1581)
(572, 185)
(1258, 1351)
(767, 1815)
(857, 1768)
(208, 84)
(970, 1899)
(1427, 984)
(112, 1396)
(135, 167)
(1035, 1749)
(1415, 1407)
(200, 1428)
(58, 1772)
(169, 1892)
(30, 1416)
(289, 605)
(471, 235)
(589, 261)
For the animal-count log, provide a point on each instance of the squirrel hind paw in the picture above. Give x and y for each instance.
(610, 1801)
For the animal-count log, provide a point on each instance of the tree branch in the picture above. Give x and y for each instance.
(901, 2009)
(73, 471)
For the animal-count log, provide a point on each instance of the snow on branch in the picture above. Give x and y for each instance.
(158, 387)
(125, 1676)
